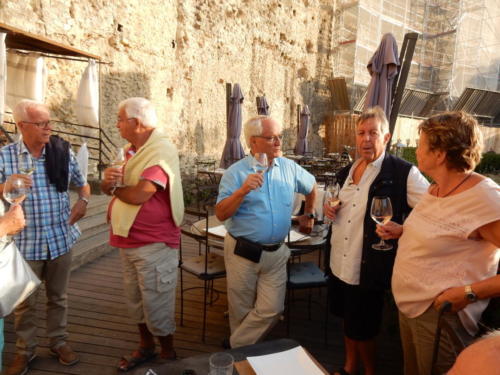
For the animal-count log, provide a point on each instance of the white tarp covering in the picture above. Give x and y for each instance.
(26, 78)
(87, 97)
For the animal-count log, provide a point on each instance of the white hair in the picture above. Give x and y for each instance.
(23, 109)
(141, 109)
(253, 127)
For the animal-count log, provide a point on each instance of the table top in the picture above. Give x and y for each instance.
(199, 363)
(315, 239)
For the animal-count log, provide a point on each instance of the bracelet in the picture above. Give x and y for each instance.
(112, 190)
(85, 199)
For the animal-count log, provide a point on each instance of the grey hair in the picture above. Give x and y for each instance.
(24, 107)
(253, 127)
(376, 113)
(141, 109)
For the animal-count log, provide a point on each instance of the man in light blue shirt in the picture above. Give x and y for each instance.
(256, 209)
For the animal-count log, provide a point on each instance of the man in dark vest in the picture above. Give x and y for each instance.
(361, 273)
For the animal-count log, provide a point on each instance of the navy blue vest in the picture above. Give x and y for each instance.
(376, 265)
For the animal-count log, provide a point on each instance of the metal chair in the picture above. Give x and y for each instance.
(305, 275)
(207, 266)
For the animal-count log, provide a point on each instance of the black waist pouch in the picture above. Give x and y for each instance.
(248, 249)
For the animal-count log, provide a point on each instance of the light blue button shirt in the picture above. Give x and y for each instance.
(264, 215)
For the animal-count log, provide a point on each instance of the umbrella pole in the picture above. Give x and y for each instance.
(228, 101)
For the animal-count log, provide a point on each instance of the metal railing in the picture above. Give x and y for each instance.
(101, 147)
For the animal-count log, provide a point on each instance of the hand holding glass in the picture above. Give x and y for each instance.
(381, 213)
(331, 199)
(260, 163)
(118, 163)
(26, 163)
(14, 190)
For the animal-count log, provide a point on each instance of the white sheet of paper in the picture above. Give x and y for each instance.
(219, 230)
(297, 236)
(290, 362)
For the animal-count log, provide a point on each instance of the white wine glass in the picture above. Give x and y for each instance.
(14, 190)
(260, 163)
(118, 163)
(331, 199)
(26, 164)
(381, 213)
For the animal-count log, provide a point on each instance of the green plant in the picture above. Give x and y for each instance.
(490, 163)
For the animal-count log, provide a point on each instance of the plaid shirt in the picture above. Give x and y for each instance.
(47, 234)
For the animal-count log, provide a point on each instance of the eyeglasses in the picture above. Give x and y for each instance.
(41, 125)
(272, 139)
(126, 119)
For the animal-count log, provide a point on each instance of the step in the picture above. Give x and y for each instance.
(88, 249)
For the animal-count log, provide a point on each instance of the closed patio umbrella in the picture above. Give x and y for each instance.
(383, 68)
(262, 106)
(233, 150)
(305, 118)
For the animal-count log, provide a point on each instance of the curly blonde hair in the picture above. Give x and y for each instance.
(457, 134)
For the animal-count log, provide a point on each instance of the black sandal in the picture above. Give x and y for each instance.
(137, 358)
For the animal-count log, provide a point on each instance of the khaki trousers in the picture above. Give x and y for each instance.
(417, 338)
(255, 292)
(150, 279)
(55, 274)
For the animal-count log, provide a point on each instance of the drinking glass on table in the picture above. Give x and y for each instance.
(260, 163)
(331, 199)
(221, 364)
(381, 213)
(14, 190)
(118, 163)
(25, 163)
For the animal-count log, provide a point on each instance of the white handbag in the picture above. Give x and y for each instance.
(17, 280)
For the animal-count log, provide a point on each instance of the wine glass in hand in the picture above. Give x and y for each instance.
(381, 213)
(14, 190)
(118, 163)
(260, 163)
(26, 163)
(331, 199)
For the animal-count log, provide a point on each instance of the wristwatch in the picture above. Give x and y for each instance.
(469, 294)
(85, 199)
(311, 215)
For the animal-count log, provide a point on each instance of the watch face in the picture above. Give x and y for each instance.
(471, 296)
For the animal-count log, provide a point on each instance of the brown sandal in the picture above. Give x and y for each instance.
(137, 357)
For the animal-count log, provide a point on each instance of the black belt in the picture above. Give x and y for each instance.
(270, 248)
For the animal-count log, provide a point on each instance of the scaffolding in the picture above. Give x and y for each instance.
(458, 47)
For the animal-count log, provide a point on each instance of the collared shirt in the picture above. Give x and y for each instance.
(347, 229)
(47, 234)
(264, 215)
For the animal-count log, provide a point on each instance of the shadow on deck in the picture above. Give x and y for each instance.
(101, 331)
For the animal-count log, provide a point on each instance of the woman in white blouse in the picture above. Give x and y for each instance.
(450, 239)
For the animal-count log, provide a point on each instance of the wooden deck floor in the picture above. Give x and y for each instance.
(101, 332)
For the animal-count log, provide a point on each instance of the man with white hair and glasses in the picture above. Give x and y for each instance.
(257, 208)
(51, 228)
(146, 213)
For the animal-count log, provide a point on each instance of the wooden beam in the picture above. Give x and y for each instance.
(19, 39)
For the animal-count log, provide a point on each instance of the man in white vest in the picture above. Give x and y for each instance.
(146, 212)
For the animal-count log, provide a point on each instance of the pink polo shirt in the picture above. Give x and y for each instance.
(154, 222)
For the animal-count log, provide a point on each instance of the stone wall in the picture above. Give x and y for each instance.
(181, 54)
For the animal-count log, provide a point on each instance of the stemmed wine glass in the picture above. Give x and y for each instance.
(118, 162)
(331, 199)
(260, 163)
(381, 213)
(26, 164)
(14, 190)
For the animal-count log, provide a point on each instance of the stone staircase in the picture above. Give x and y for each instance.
(93, 242)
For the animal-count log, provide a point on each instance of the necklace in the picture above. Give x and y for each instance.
(455, 188)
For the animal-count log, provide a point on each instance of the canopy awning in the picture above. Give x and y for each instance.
(23, 40)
